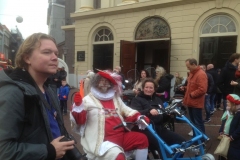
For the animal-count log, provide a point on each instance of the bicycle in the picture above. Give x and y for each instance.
(176, 151)
(194, 145)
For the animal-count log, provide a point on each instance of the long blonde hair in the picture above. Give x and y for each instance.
(160, 71)
(27, 47)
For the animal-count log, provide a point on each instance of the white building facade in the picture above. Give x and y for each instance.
(145, 33)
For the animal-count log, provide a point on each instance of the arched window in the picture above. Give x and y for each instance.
(103, 35)
(219, 24)
(152, 28)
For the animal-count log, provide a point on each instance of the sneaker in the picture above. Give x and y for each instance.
(190, 133)
(207, 120)
(211, 113)
(220, 109)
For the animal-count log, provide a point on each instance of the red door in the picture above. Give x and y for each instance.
(127, 56)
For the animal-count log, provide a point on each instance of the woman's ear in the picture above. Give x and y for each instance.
(26, 59)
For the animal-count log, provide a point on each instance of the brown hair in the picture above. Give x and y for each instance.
(191, 61)
(234, 56)
(27, 47)
(149, 80)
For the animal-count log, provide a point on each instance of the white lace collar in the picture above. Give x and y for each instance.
(103, 96)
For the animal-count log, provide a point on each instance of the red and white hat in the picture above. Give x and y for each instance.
(108, 75)
(113, 77)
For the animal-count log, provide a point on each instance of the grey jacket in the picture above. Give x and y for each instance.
(25, 132)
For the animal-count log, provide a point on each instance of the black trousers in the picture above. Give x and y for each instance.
(63, 104)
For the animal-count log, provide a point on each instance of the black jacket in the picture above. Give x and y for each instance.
(226, 76)
(24, 128)
(214, 75)
(144, 104)
(234, 132)
(210, 84)
(164, 84)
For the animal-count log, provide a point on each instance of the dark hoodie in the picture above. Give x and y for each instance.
(227, 75)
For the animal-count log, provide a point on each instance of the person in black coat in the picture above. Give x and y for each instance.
(148, 104)
(214, 74)
(227, 75)
(234, 133)
(164, 83)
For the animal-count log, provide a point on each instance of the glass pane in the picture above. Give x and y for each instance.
(100, 32)
(110, 37)
(214, 29)
(107, 31)
(224, 20)
(231, 27)
(106, 38)
(213, 21)
(222, 29)
(101, 38)
(96, 38)
(206, 29)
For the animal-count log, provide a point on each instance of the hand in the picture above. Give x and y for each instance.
(233, 83)
(141, 124)
(154, 112)
(135, 91)
(62, 147)
(64, 96)
(181, 88)
(146, 119)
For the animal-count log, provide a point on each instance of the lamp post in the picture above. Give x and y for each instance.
(65, 51)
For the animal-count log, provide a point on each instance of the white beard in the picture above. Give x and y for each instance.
(103, 88)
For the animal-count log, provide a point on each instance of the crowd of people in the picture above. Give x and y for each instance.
(32, 126)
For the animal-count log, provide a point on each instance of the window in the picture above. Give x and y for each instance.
(103, 35)
(96, 4)
(153, 28)
(219, 24)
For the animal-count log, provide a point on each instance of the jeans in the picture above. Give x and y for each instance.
(195, 115)
(212, 98)
(207, 106)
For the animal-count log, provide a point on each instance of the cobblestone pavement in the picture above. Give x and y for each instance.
(183, 129)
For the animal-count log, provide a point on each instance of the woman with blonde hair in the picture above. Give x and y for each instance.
(31, 124)
(164, 83)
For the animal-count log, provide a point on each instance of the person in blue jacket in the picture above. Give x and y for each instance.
(63, 96)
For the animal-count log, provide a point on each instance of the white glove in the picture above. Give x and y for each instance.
(141, 125)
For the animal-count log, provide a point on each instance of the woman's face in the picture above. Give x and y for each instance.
(143, 74)
(148, 88)
(44, 58)
(238, 66)
(176, 74)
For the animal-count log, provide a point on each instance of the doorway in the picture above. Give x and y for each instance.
(143, 55)
(217, 50)
(102, 56)
(153, 53)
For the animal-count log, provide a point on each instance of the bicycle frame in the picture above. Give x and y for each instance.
(176, 150)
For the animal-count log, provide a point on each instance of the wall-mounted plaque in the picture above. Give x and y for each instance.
(80, 55)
